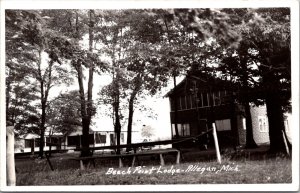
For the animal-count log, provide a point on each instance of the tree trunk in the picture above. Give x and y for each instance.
(276, 123)
(275, 112)
(130, 118)
(117, 123)
(84, 119)
(50, 146)
(87, 107)
(250, 143)
(10, 159)
(42, 129)
(233, 121)
(45, 88)
(85, 138)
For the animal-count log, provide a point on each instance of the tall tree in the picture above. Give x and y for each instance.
(275, 68)
(112, 28)
(75, 25)
(237, 65)
(19, 92)
(144, 32)
(33, 32)
(87, 109)
(269, 55)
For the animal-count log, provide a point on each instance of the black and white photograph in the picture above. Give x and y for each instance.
(149, 95)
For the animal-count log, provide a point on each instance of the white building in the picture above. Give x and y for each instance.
(97, 137)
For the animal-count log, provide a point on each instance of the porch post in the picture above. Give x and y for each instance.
(32, 145)
(94, 139)
(216, 143)
(10, 156)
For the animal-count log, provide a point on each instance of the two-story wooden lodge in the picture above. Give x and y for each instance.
(199, 100)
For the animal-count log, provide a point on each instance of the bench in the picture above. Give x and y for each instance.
(134, 156)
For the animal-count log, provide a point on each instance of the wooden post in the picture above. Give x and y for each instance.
(216, 143)
(32, 146)
(162, 162)
(178, 157)
(66, 143)
(45, 142)
(120, 162)
(285, 143)
(49, 162)
(133, 160)
(94, 139)
(81, 165)
(80, 145)
(10, 156)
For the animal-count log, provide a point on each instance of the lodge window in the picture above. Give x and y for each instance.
(48, 141)
(112, 139)
(73, 140)
(182, 103)
(100, 138)
(223, 125)
(216, 98)
(122, 137)
(28, 143)
(178, 103)
(193, 102)
(183, 129)
(222, 97)
(172, 104)
(91, 138)
(37, 142)
(205, 100)
(54, 141)
(263, 124)
(198, 101)
(188, 102)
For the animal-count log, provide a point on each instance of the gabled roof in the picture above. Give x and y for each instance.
(202, 79)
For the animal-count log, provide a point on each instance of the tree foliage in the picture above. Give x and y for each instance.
(145, 48)
(27, 32)
(64, 113)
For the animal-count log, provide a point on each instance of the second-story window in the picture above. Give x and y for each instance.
(205, 99)
(172, 104)
(188, 101)
(199, 100)
(183, 103)
(263, 123)
(222, 97)
(179, 107)
(217, 98)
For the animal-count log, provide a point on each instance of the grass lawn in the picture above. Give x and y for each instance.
(238, 171)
